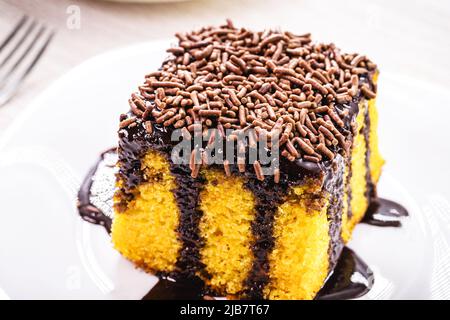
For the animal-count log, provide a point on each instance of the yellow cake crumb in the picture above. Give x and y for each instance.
(226, 226)
(146, 232)
(299, 261)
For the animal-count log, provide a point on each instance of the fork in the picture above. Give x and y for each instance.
(21, 50)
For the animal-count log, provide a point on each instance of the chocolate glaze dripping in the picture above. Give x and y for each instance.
(370, 186)
(335, 187)
(351, 278)
(181, 289)
(87, 210)
(384, 213)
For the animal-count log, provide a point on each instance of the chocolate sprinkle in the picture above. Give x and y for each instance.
(234, 78)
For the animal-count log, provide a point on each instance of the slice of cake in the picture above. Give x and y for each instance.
(247, 228)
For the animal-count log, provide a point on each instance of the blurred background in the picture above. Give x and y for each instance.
(407, 37)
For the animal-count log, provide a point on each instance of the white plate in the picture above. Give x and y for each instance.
(147, 1)
(46, 251)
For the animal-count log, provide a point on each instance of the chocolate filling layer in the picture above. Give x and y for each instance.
(335, 211)
(269, 196)
(370, 186)
(187, 195)
(348, 187)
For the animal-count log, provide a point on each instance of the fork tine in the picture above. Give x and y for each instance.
(25, 52)
(19, 43)
(10, 88)
(38, 55)
(13, 32)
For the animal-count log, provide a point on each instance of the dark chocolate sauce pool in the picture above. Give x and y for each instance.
(384, 213)
(95, 197)
(350, 279)
(169, 289)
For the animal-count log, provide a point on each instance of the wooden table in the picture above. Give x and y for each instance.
(407, 37)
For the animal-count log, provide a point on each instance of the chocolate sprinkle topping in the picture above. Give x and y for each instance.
(275, 82)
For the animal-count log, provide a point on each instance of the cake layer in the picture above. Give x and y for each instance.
(226, 228)
(299, 262)
(146, 231)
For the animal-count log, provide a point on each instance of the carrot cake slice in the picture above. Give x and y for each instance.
(246, 160)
